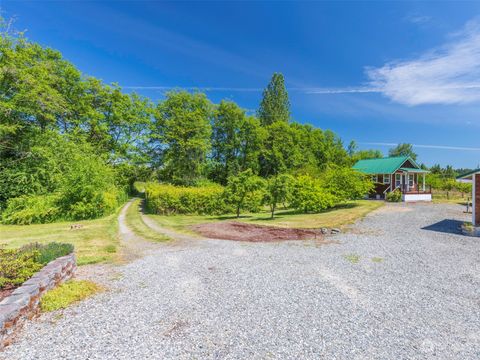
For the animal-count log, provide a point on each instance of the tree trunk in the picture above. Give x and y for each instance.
(238, 211)
(273, 211)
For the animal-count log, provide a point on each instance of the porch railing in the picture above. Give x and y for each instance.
(405, 189)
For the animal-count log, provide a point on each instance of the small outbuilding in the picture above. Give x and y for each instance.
(396, 173)
(474, 177)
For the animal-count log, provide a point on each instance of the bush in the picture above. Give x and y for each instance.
(17, 266)
(167, 199)
(394, 196)
(308, 195)
(346, 183)
(33, 209)
(48, 252)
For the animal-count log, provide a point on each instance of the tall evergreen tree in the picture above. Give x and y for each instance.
(275, 105)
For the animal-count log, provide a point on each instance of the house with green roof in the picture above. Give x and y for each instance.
(396, 173)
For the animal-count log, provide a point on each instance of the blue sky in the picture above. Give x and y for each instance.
(376, 72)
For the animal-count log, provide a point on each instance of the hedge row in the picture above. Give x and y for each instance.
(164, 199)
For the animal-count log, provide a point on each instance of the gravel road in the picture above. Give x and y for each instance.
(402, 284)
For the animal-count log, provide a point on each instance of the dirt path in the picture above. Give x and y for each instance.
(133, 246)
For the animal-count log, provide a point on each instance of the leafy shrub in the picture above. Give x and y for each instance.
(308, 195)
(33, 209)
(48, 252)
(346, 183)
(245, 191)
(17, 266)
(62, 178)
(167, 199)
(68, 293)
(394, 196)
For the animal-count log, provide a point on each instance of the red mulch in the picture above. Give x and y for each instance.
(233, 230)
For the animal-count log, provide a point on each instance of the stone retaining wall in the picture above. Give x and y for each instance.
(23, 303)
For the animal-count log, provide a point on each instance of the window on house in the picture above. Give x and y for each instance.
(375, 178)
(398, 180)
(410, 180)
(386, 178)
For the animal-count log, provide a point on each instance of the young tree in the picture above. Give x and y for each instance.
(244, 191)
(275, 105)
(183, 128)
(278, 190)
(345, 183)
(403, 150)
(352, 148)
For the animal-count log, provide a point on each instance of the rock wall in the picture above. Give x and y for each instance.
(23, 303)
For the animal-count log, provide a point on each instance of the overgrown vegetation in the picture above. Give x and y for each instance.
(394, 196)
(68, 293)
(18, 265)
(248, 192)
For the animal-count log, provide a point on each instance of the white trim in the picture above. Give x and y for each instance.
(385, 177)
(416, 197)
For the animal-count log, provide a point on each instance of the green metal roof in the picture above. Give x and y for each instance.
(414, 170)
(382, 166)
(467, 175)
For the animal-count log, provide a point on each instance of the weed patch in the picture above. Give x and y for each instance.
(68, 293)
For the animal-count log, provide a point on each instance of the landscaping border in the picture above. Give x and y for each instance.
(23, 303)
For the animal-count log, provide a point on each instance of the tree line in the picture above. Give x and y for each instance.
(73, 145)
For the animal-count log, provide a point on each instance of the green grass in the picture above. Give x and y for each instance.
(96, 241)
(135, 222)
(336, 217)
(353, 258)
(377, 259)
(68, 293)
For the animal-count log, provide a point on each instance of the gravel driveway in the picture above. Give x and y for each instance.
(413, 294)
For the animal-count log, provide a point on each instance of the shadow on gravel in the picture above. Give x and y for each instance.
(448, 226)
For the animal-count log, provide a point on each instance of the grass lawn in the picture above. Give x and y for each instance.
(135, 222)
(337, 217)
(95, 242)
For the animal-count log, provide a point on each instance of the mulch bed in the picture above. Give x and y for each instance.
(234, 230)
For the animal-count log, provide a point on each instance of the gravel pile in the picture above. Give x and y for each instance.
(402, 284)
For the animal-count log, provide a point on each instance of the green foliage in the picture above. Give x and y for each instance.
(346, 184)
(70, 181)
(17, 266)
(403, 150)
(165, 199)
(48, 252)
(31, 209)
(278, 190)
(308, 195)
(65, 294)
(183, 127)
(275, 105)
(236, 142)
(394, 196)
(245, 191)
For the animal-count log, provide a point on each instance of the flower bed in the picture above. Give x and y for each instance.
(21, 290)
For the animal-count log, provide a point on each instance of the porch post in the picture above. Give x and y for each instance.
(407, 180)
(423, 184)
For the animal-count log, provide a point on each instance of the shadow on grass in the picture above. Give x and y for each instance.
(448, 226)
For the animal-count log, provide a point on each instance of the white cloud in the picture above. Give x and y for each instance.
(447, 75)
(439, 147)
